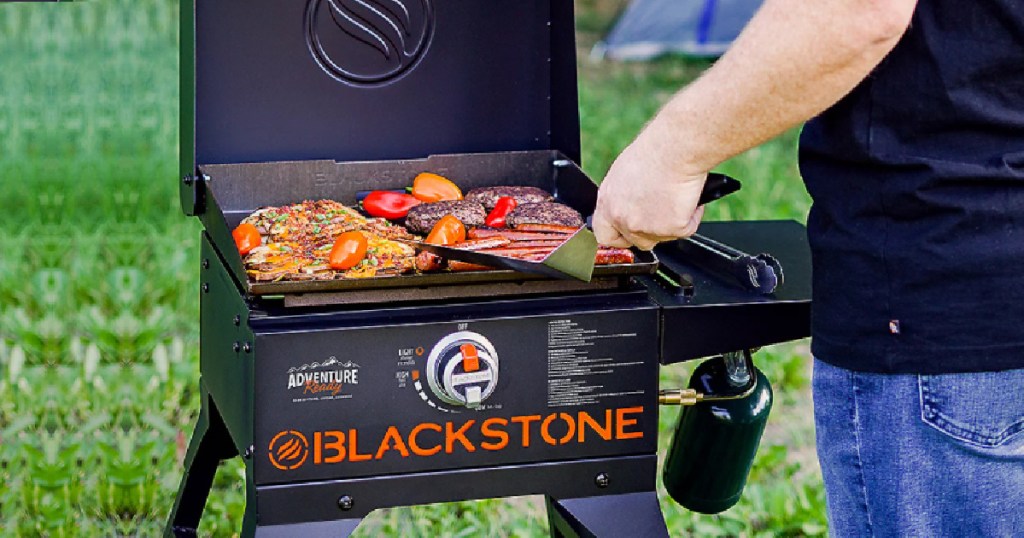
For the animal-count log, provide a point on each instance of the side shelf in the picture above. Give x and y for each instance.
(709, 314)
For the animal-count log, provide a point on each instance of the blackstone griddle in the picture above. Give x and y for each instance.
(343, 397)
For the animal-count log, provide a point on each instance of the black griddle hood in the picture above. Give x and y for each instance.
(272, 80)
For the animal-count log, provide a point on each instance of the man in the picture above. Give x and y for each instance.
(914, 160)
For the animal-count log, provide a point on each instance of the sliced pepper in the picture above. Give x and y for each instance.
(246, 237)
(504, 206)
(429, 188)
(389, 204)
(449, 230)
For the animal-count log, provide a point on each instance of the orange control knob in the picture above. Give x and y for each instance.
(470, 358)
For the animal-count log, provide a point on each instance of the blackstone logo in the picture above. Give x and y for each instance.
(323, 380)
(368, 42)
(288, 450)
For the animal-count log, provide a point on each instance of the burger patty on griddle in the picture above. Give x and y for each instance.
(488, 196)
(422, 218)
(545, 213)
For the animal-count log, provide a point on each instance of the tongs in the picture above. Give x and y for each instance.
(761, 273)
(573, 259)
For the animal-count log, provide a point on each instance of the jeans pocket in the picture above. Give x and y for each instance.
(983, 409)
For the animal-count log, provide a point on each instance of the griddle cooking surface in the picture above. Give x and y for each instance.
(646, 263)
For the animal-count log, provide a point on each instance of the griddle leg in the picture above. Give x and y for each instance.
(210, 445)
(637, 515)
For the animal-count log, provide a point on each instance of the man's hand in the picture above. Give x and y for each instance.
(792, 61)
(643, 201)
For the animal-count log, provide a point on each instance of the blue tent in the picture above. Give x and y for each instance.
(649, 28)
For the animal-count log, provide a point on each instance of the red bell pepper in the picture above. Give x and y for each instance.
(389, 204)
(496, 218)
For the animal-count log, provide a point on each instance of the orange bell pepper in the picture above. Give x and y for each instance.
(449, 230)
(429, 188)
(349, 249)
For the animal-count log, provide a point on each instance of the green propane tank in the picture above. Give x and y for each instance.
(716, 437)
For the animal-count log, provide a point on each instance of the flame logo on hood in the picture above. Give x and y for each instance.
(368, 42)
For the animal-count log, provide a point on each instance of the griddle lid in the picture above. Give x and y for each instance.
(355, 80)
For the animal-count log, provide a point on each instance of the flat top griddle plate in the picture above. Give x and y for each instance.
(646, 263)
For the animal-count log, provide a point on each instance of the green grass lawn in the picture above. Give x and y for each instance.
(99, 302)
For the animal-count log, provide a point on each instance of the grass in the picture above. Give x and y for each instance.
(98, 280)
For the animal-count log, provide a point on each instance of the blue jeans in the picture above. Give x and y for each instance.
(921, 455)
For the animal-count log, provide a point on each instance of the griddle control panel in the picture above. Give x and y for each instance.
(462, 369)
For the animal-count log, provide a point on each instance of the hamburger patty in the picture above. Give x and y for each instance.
(422, 218)
(488, 196)
(545, 213)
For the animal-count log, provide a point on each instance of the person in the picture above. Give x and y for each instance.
(914, 159)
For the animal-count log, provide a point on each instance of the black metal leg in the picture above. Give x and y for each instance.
(210, 444)
(637, 515)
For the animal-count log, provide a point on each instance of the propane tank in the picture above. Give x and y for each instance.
(717, 434)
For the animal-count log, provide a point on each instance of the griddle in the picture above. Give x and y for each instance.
(245, 188)
(283, 101)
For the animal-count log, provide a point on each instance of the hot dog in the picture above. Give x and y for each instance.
(548, 228)
(514, 251)
(613, 256)
(481, 244)
(484, 233)
(459, 267)
(534, 244)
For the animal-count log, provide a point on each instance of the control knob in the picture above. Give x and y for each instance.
(462, 369)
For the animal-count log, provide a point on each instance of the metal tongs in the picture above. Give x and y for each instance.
(761, 273)
(574, 259)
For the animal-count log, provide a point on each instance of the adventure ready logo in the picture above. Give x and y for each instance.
(322, 380)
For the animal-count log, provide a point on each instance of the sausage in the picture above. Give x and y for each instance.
(520, 253)
(534, 244)
(549, 228)
(459, 267)
(481, 244)
(613, 256)
(428, 261)
(484, 233)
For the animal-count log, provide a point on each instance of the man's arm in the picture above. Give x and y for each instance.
(793, 60)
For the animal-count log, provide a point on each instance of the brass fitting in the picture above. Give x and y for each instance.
(679, 397)
(692, 397)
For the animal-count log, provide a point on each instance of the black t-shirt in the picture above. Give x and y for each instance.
(917, 179)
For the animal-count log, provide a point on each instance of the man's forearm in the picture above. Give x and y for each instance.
(794, 60)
